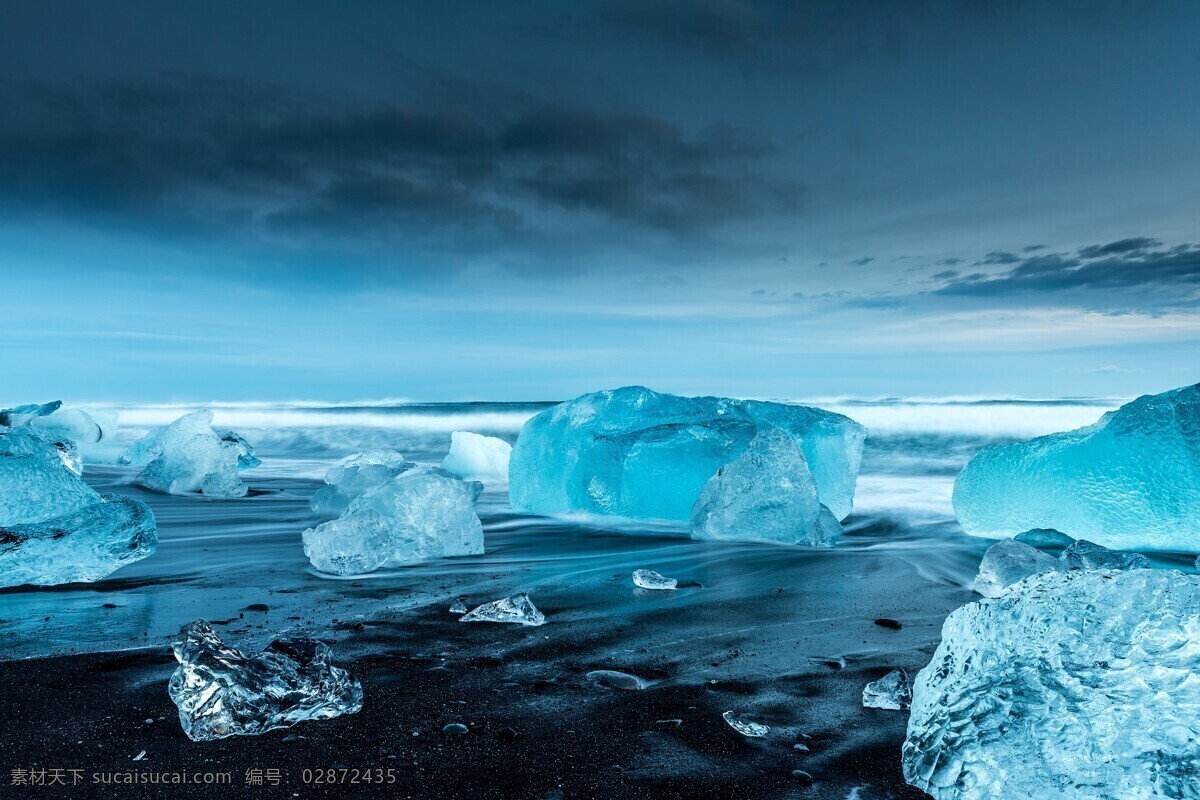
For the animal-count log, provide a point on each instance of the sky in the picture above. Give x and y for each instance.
(522, 201)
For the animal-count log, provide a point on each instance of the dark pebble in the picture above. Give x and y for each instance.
(455, 729)
(802, 776)
(891, 624)
(257, 607)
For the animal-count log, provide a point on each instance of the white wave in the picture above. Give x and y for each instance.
(993, 420)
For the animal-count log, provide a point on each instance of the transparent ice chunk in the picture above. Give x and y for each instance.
(766, 494)
(614, 679)
(354, 476)
(221, 692)
(1130, 481)
(893, 692)
(1089, 555)
(423, 513)
(649, 579)
(187, 456)
(518, 609)
(54, 528)
(83, 545)
(458, 606)
(636, 453)
(1040, 537)
(39, 477)
(746, 727)
(1079, 685)
(478, 458)
(1010, 561)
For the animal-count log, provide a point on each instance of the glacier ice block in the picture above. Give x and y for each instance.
(766, 494)
(1009, 561)
(1078, 685)
(54, 528)
(355, 475)
(221, 692)
(1130, 481)
(39, 477)
(187, 456)
(478, 458)
(640, 454)
(421, 514)
(82, 546)
(1089, 555)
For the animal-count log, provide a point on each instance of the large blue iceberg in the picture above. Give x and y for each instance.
(1130, 481)
(188, 456)
(636, 453)
(54, 528)
(1077, 684)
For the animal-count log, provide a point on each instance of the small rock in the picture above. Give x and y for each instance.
(890, 624)
(802, 777)
(455, 729)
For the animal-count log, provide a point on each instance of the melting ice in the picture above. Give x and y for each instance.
(188, 456)
(517, 609)
(221, 692)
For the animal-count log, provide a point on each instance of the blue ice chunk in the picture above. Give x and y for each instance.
(39, 477)
(1079, 685)
(76, 424)
(1008, 562)
(1130, 481)
(355, 475)
(187, 456)
(636, 453)
(84, 545)
(1089, 555)
(222, 692)
(766, 494)
(54, 528)
(422, 514)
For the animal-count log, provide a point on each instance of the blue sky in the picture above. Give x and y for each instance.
(529, 202)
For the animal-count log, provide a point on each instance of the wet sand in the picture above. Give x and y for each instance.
(784, 637)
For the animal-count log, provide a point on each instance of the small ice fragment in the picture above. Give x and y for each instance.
(649, 579)
(1044, 537)
(615, 679)
(1010, 561)
(800, 747)
(458, 606)
(140, 756)
(893, 692)
(1089, 555)
(478, 458)
(517, 608)
(455, 729)
(221, 692)
(754, 730)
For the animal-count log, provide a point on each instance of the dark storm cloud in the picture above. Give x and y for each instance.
(1136, 263)
(247, 157)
